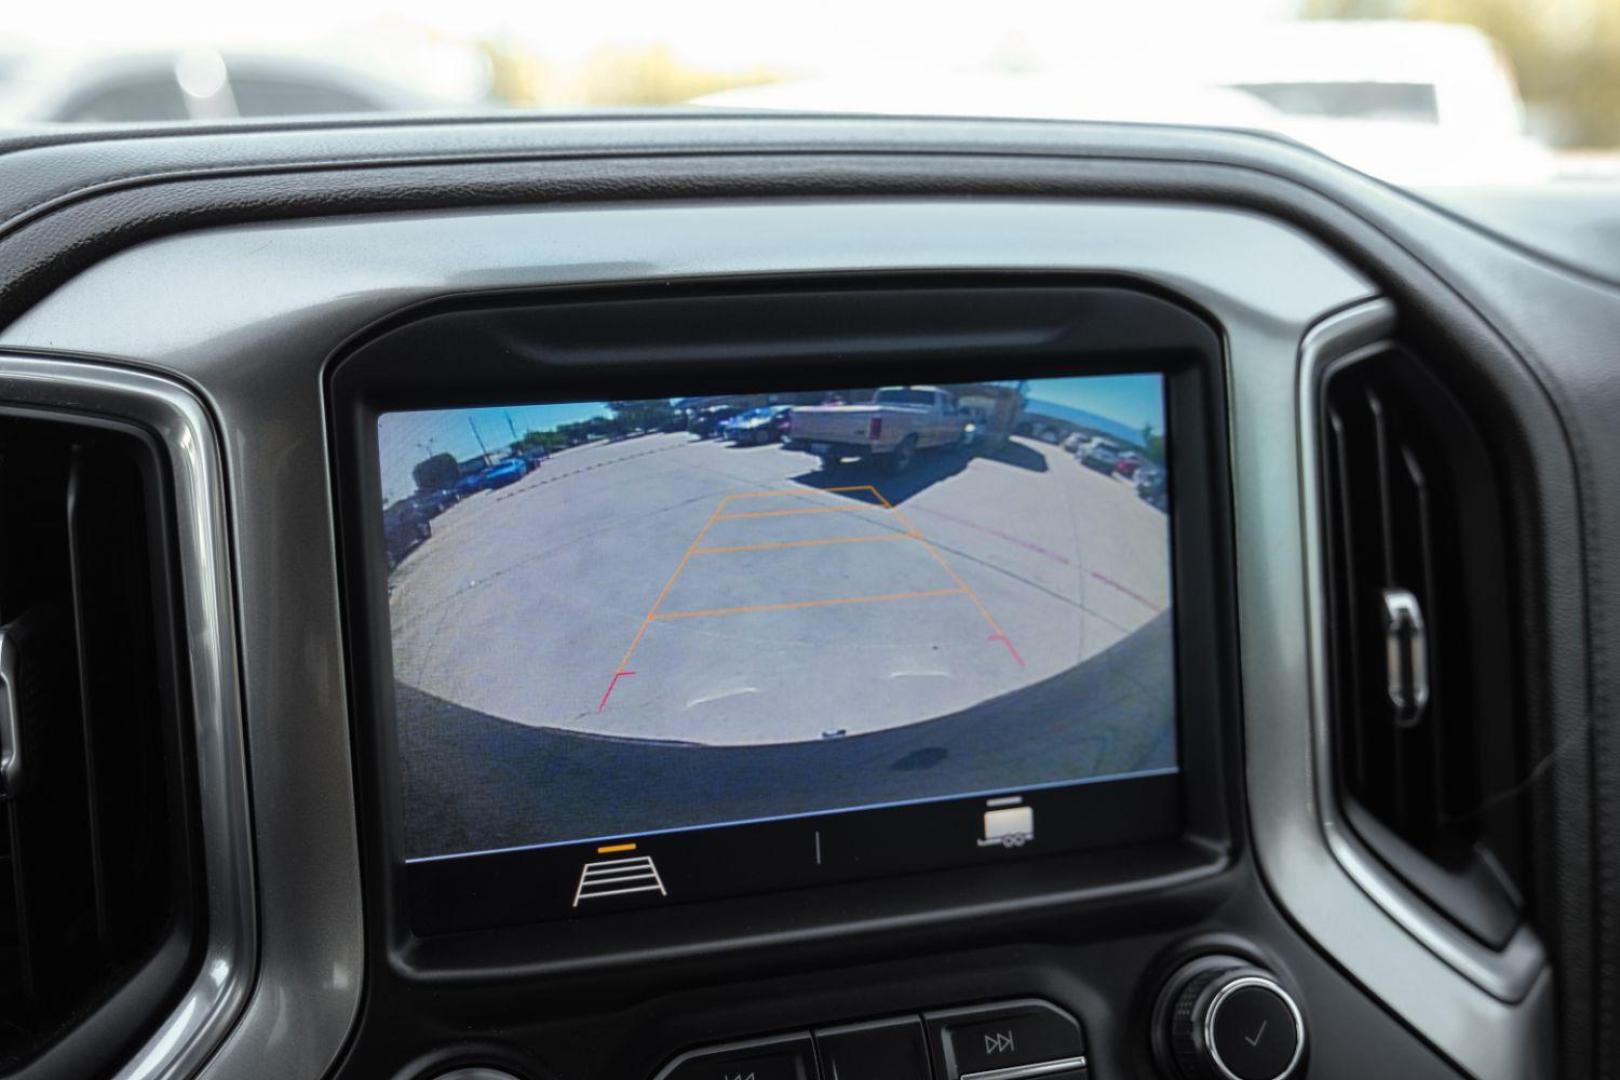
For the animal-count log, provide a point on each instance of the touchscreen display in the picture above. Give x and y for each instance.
(706, 644)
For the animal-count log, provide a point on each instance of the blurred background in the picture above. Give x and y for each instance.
(1418, 92)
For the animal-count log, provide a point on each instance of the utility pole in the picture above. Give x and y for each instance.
(512, 428)
(482, 449)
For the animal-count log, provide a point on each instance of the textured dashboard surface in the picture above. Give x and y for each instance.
(249, 315)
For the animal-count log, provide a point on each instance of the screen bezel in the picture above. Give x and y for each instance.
(586, 343)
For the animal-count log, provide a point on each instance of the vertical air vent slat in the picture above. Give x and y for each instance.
(95, 814)
(74, 498)
(1421, 667)
(1354, 749)
(1421, 570)
(1397, 792)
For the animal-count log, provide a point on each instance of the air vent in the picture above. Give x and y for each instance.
(1422, 656)
(97, 904)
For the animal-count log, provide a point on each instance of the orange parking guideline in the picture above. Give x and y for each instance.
(792, 604)
(647, 620)
(789, 513)
(780, 544)
(695, 548)
(998, 634)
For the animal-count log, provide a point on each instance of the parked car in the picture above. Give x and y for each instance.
(471, 483)
(505, 473)
(893, 427)
(433, 503)
(1100, 456)
(1151, 487)
(705, 423)
(1128, 463)
(405, 528)
(756, 426)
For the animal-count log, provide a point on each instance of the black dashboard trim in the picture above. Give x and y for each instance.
(403, 362)
(1546, 391)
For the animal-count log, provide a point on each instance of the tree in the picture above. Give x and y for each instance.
(542, 440)
(1153, 444)
(436, 473)
(640, 414)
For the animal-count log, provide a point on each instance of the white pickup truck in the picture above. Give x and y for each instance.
(898, 422)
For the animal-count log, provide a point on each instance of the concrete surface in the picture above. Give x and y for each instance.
(663, 588)
(473, 782)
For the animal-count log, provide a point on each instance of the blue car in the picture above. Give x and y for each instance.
(507, 472)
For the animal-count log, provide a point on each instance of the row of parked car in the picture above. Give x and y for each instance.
(408, 523)
(892, 428)
(494, 477)
(751, 427)
(1108, 458)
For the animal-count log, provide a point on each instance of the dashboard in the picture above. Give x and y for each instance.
(809, 599)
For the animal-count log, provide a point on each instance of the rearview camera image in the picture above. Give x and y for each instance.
(616, 618)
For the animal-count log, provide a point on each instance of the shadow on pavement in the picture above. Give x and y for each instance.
(927, 469)
(474, 782)
(1017, 455)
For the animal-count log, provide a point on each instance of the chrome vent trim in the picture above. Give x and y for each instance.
(1508, 975)
(209, 1006)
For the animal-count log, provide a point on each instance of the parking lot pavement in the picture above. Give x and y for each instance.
(664, 588)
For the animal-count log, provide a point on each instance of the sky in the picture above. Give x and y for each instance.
(1133, 400)
(818, 34)
(429, 45)
(405, 438)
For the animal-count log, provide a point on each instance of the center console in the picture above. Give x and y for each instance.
(827, 638)
(717, 628)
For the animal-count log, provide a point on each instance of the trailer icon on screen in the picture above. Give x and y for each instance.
(1008, 822)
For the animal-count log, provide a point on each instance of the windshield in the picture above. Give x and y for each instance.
(905, 397)
(1457, 93)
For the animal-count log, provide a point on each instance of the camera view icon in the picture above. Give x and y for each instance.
(1008, 823)
(618, 877)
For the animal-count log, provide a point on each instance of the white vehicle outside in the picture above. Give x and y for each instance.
(899, 422)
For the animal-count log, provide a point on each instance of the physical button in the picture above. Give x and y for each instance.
(882, 1050)
(991, 1038)
(788, 1058)
(1222, 1018)
(1252, 1030)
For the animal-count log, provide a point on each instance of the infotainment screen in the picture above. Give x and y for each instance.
(678, 648)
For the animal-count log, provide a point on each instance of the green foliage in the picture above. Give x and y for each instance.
(436, 473)
(1153, 442)
(640, 414)
(542, 440)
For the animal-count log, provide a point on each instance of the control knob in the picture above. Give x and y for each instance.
(1221, 1018)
